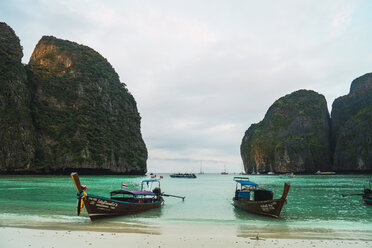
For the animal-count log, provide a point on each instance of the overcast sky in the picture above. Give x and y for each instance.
(203, 71)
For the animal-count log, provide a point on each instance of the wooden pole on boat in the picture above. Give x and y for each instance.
(286, 189)
(183, 197)
(76, 180)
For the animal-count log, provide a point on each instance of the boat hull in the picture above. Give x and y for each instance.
(101, 207)
(270, 208)
(367, 200)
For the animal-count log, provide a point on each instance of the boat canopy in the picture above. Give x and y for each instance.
(245, 182)
(127, 192)
(150, 180)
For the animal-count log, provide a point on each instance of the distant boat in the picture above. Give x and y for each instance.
(224, 171)
(262, 199)
(201, 168)
(271, 173)
(367, 196)
(325, 173)
(290, 175)
(243, 171)
(183, 175)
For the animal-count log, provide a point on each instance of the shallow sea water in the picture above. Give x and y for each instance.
(315, 207)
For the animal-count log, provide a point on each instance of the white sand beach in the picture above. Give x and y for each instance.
(22, 237)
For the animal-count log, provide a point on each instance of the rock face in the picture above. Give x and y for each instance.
(352, 127)
(69, 112)
(294, 136)
(16, 129)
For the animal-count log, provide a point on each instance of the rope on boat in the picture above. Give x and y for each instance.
(80, 202)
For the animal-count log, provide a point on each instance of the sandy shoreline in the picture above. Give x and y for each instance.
(21, 237)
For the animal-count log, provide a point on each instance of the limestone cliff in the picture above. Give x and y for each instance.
(352, 127)
(66, 110)
(84, 116)
(16, 129)
(294, 136)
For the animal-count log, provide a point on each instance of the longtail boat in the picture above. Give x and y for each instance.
(122, 202)
(250, 197)
(366, 195)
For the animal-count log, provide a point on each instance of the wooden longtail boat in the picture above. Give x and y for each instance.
(366, 195)
(122, 202)
(262, 200)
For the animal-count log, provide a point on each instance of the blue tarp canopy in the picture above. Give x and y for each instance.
(150, 180)
(245, 182)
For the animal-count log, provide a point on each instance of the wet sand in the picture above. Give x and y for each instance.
(21, 237)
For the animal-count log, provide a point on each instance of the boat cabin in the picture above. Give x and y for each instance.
(248, 190)
(150, 192)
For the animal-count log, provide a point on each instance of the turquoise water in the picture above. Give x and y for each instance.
(315, 207)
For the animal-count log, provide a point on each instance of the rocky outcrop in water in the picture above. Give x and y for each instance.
(294, 136)
(352, 127)
(69, 112)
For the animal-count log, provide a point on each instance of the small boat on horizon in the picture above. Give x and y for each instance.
(224, 171)
(250, 197)
(183, 175)
(288, 175)
(201, 172)
(325, 172)
(121, 202)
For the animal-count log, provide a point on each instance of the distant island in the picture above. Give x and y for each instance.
(297, 133)
(65, 110)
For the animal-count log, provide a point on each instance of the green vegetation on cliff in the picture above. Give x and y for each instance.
(352, 129)
(84, 115)
(293, 136)
(16, 130)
